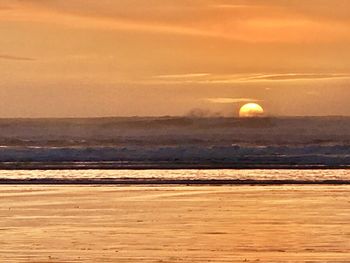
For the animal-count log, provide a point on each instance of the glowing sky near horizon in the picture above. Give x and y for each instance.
(84, 58)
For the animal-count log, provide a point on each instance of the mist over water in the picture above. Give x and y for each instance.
(178, 140)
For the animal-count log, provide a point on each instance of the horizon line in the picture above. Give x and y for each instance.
(177, 116)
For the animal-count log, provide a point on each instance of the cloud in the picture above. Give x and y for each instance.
(233, 21)
(117, 23)
(10, 57)
(208, 78)
(182, 76)
(234, 6)
(230, 100)
(299, 76)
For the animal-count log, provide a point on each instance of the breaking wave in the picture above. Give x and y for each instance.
(183, 140)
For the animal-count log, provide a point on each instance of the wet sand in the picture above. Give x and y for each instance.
(43, 223)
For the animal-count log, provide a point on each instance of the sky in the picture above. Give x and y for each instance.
(88, 58)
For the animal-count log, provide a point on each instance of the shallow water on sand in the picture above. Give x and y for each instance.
(190, 174)
(175, 224)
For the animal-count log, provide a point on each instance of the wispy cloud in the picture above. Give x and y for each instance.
(234, 6)
(10, 57)
(208, 78)
(230, 100)
(241, 22)
(299, 76)
(182, 76)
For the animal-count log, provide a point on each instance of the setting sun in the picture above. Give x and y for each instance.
(251, 110)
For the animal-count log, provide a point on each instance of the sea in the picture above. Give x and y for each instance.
(175, 189)
(175, 142)
(159, 149)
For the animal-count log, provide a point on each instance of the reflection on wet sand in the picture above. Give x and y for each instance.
(174, 224)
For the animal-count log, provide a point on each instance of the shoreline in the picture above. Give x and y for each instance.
(169, 182)
(161, 166)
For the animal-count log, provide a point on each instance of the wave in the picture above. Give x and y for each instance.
(175, 131)
(178, 141)
(307, 155)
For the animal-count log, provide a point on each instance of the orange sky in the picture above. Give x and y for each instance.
(82, 58)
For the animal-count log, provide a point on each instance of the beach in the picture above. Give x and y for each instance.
(150, 131)
(150, 223)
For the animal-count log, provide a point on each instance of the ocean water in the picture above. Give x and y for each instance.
(175, 141)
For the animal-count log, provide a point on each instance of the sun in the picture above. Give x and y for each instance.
(251, 110)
